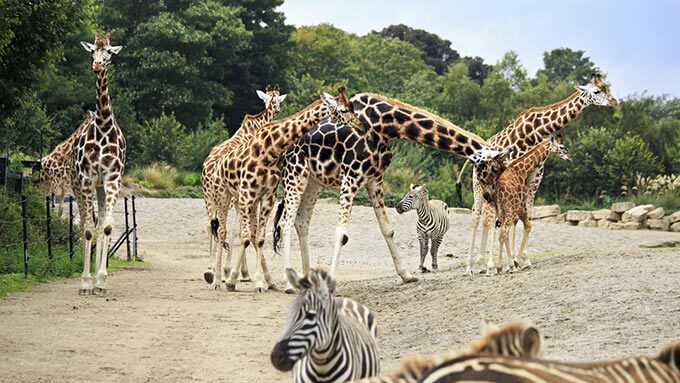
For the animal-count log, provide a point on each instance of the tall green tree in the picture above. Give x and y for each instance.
(565, 64)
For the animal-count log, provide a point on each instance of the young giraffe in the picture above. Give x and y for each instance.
(99, 160)
(335, 156)
(251, 173)
(529, 128)
(56, 168)
(213, 185)
(512, 194)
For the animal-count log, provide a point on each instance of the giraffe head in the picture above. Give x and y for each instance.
(596, 92)
(488, 171)
(413, 199)
(341, 109)
(102, 51)
(272, 98)
(558, 148)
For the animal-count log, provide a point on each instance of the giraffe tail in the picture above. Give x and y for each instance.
(277, 228)
(214, 225)
(459, 185)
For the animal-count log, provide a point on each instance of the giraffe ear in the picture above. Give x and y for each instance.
(88, 47)
(282, 97)
(115, 49)
(329, 100)
(412, 186)
(262, 95)
(581, 88)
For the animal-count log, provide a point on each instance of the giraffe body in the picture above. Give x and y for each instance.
(338, 157)
(98, 158)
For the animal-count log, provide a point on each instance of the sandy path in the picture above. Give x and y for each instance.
(594, 294)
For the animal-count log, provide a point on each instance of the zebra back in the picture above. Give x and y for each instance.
(517, 338)
(670, 355)
(350, 307)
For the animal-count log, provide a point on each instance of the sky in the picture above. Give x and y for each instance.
(636, 43)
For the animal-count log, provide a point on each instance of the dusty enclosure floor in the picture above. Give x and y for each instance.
(594, 294)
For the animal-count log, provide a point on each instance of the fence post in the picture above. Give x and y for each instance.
(127, 230)
(70, 227)
(48, 211)
(52, 198)
(24, 219)
(134, 227)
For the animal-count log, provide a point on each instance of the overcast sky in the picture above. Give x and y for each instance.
(637, 43)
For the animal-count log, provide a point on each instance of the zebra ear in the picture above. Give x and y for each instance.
(531, 342)
(320, 283)
(292, 277)
(487, 326)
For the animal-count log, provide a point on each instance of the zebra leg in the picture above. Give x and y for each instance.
(436, 242)
(423, 253)
(374, 187)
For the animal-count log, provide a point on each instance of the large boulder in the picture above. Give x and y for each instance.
(621, 207)
(560, 218)
(588, 223)
(604, 223)
(615, 226)
(658, 223)
(579, 215)
(632, 225)
(675, 217)
(636, 214)
(606, 214)
(675, 227)
(657, 213)
(538, 212)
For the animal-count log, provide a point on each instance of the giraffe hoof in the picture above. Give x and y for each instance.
(514, 262)
(410, 279)
(246, 279)
(215, 286)
(290, 290)
(231, 287)
(273, 287)
(423, 270)
(491, 271)
(468, 272)
(259, 290)
(527, 266)
(209, 276)
(100, 291)
(84, 292)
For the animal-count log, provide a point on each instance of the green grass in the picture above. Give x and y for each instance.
(10, 283)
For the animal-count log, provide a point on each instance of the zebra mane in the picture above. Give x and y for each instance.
(528, 332)
(670, 355)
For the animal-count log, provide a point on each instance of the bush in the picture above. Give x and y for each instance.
(188, 179)
(158, 176)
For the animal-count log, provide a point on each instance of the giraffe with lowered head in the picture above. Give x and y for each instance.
(336, 156)
(214, 185)
(531, 127)
(99, 160)
(251, 173)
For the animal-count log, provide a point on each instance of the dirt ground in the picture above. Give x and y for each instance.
(594, 294)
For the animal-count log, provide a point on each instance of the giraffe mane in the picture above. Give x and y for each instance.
(554, 105)
(530, 152)
(252, 116)
(428, 114)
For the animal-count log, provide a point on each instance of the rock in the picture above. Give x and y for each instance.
(561, 218)
(601, 214)
(636, 214)
(675, 217)
(675, 227)
(556, 219)
(604, 224)
(579, 215)
(545, 211)
(621, 207)
(632, 225)
(614, 216)
(588, 223)
(659, 223)
(459, 210)
(615, 226)
(572, 223)
(657, 213)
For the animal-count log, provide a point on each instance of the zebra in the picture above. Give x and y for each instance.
(326, 339)
(433, 221)
(517, 338)
(487, 368)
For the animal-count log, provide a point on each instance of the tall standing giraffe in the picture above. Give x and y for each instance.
(529, 128)
(336, 156)
(56, 168)
(251, 173)
(213, 184)
(99, 161)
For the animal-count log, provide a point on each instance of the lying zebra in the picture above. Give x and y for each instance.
(519, 338)
(326, 339)
(433, 221)
(488, 368)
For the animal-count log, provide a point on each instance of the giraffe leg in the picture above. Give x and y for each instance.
(245, 273)
(268, 203)
(525, 262)
(83, 193)
(246, 216)
(302, 221)
(513, 246)
(436, 242)
(101, 210)
(423, 253)
(111, 189)
(504, 244)
(221, 212)
(294, 187)
(375, 192)
(477, 211)
(209, 274)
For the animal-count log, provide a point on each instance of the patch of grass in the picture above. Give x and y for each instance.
(181, 192)
(155, 176)
(545, 254)
(10, 283)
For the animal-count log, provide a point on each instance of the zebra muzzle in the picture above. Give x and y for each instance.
(280, 358)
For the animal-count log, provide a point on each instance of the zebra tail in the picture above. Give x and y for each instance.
(277, 228)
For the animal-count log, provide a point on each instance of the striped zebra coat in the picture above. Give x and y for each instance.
(518, 338)
(326, 339)
(433, 221)
(486, 368)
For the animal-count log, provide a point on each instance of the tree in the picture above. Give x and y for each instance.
(477, 70)
(436, 51)
(564, 64)
(462, 95)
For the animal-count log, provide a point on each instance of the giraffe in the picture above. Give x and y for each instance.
(512, 200)
(336, 156)
(213, 185)
(57, 167)
(529, 128)
(251, 174)
(99, 160)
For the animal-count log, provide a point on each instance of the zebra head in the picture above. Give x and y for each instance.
(311, 318)
(412, 199)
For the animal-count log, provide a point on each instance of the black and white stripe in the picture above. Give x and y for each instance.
(326, 339)
(433, 221)
(481, 368)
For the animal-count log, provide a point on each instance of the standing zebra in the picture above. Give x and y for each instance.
(480, 368)
(326, 339)
(433, 221)
(519, 338)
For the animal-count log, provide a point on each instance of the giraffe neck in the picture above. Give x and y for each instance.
(532, 159)
(251, 123)
(393, 119)
(274, 138)
(104, 115)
